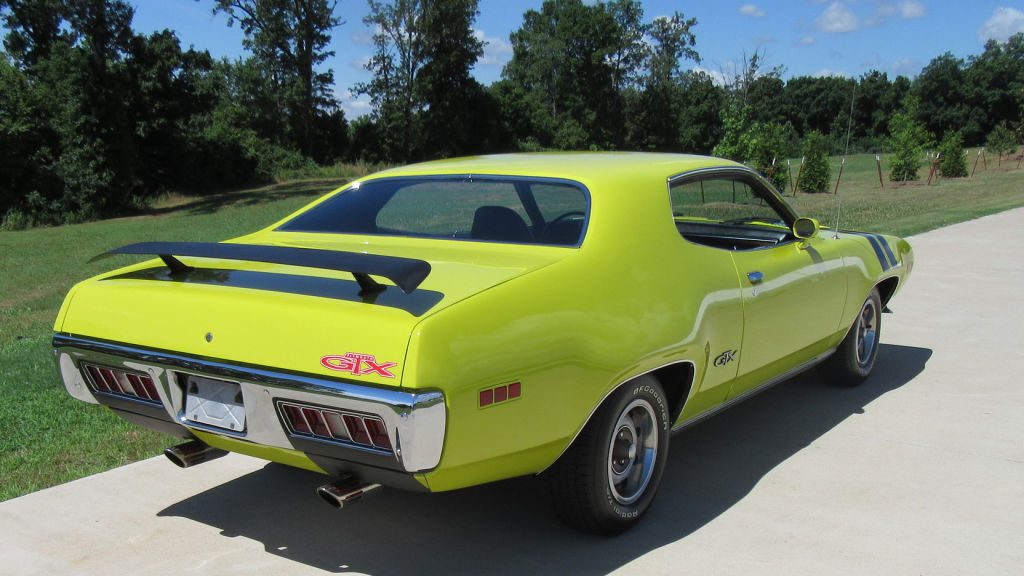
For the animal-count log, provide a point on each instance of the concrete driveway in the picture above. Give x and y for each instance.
(920, 471)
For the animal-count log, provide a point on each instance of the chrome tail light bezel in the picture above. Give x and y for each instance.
(355, 426)
(130, 384)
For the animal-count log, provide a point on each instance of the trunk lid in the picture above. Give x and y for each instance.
(287, 317)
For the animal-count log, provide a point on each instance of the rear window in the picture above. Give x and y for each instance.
(521, 211)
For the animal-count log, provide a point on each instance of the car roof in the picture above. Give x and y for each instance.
(580, 166)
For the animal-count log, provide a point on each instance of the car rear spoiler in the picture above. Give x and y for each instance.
(406, 273)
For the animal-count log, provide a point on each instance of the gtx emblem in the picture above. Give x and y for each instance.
(725, 357)
(358, 364)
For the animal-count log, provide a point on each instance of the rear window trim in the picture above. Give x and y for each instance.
(505, 178)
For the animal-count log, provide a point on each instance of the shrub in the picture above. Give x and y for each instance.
(908, 140)
(1002, 140)
(816, 171)
(952, 163)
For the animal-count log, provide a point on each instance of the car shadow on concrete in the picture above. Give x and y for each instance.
(507, 527)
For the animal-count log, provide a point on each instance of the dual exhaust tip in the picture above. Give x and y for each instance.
(191, 453)
(341, 493)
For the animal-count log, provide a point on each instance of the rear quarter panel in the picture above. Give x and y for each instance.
(569, 333)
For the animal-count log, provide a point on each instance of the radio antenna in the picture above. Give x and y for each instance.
(846, 150)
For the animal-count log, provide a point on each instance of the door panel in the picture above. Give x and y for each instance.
(796, 304)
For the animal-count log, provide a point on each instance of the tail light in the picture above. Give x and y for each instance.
(336, 426)
(118, 382)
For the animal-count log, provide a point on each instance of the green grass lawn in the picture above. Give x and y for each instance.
(47, 438)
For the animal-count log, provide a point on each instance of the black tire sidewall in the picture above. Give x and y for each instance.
(612, 515)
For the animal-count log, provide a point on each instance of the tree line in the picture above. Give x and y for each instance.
(96, 119)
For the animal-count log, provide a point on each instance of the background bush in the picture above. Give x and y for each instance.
(816, 173)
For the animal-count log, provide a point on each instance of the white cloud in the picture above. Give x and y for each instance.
(751, 10)
(806, 41)
(906, 67)
(837, 18)
(884, 10)
(497, 50)
(717, 76)
(910, 9)
(359, 63)
(354, 105)
(1005, 22)
(828, 72)
(362, 37)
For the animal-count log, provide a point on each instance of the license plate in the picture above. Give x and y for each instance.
(214, 403)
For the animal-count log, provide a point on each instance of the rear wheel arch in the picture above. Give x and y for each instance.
(677, 381)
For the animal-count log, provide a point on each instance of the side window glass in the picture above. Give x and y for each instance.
(726, 213)
(721, 201)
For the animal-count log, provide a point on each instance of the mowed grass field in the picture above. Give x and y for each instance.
(47, 438)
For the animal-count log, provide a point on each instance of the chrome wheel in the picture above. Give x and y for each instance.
(632, 451)
(867, 332)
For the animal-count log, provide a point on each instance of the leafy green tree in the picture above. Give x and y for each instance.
(657, 115)
(567, 65)
(952, 163)
(449, 97)
(737, 128)
(942, 95)
(1002, 140)
(425, 100)
(816, 172)
(290, 39)
(908, 140)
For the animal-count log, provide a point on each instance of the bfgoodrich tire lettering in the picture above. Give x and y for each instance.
(608, 478)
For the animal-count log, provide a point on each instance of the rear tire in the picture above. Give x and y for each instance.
(607, 479)
(855, 357)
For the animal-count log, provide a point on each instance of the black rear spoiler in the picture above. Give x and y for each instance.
(406, 273)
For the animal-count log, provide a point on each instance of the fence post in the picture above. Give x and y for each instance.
(840, 176)
(878, 163)
(799, 172)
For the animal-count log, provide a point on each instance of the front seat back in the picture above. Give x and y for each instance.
(500, 224)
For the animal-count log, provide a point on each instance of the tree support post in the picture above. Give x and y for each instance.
(878, 164)
(799, 172)
(840, 176)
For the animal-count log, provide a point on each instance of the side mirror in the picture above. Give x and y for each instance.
(805, 228)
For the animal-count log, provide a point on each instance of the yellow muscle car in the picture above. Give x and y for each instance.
(452, 323)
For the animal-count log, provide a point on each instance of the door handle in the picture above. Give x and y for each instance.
(755, 277)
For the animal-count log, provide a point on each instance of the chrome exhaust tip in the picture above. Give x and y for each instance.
(346, 491)
(192, 453)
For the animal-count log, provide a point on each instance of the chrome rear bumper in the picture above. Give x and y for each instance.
(415, 420)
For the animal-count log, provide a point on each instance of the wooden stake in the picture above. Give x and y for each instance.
(701, 191)
(878, 163)
(789, 172)
(976, 158)
(932, 168)
(799, 172)
(984, 158)
(1019, 158)
(839, 177)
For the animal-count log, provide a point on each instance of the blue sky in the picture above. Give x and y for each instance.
(807, 37)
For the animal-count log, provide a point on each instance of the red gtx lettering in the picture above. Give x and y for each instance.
(358, 364)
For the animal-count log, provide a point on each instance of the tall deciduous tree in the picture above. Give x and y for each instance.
(289, 38)
(425, 101)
